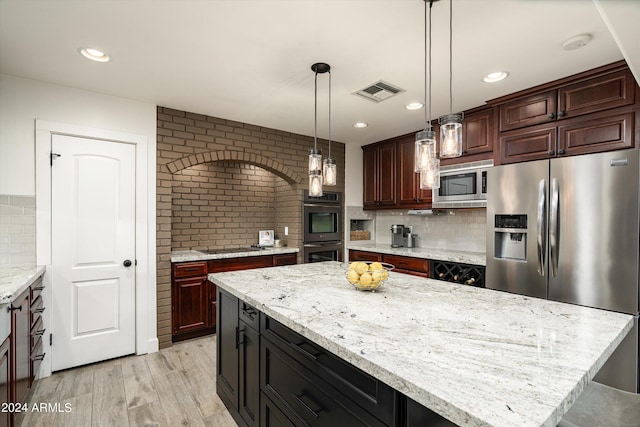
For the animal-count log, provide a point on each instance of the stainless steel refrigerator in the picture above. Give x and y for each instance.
(567, 230)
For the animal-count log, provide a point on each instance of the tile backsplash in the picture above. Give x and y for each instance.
(17, 230)
(453, 229)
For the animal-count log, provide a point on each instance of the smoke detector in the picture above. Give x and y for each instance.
(379, 91)
(577, 42)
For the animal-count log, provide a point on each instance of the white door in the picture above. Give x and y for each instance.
(93, 237)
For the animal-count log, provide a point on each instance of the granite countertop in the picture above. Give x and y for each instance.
(14, 280)
(193, 255)
(439, 254)
(475, 356)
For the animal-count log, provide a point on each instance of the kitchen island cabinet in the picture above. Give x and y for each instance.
(473, 356)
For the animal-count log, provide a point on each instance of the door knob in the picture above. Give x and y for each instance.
(127, 263)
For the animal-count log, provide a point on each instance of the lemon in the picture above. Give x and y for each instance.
(385, 274)
(366, 279)
(361, 267)
(375, 266)
(353, 276)
(377, 276)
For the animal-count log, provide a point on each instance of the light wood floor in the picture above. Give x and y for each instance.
(173, 387)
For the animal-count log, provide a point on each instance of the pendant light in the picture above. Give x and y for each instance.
(451, 124)
(425, 150)
(330, 170)
(315, 154)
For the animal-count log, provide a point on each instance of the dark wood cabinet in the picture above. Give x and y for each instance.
(37, 329)
(193, 297)
(190, 301)
(403, 264)
(227, 348)
(5, 384)
(21, 346)
(379, 175)
(479, 133)
(592, 112)
(408, 192)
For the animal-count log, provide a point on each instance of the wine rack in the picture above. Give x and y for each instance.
(466, 274)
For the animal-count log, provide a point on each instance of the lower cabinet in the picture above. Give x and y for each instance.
(21, 346)
(403, 264)
(5, 385)
(271, 376)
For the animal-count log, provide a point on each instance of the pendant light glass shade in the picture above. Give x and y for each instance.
(315, 184)
(430, 178)
(315, 160)
(451, 136)
(425, 150)
(329, 172)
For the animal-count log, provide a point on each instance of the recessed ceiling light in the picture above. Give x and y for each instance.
(495, 77)
(360, 125)
(94, 54)
(414, 106)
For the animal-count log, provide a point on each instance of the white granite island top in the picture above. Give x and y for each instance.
(475, 356)
(435, 253)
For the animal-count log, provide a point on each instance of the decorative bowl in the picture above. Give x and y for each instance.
(368, 275)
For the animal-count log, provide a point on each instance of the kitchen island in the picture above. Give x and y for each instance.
(474, 356)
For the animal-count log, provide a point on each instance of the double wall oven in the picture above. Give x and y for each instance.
(322, 227)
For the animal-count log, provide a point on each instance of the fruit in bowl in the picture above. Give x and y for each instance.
(367, 275)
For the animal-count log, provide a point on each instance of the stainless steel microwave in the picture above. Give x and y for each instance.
(462, 186)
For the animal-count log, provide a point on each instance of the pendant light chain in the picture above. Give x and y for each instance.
(451, 56)
(329, 113)
(429, 56)
(315, 112)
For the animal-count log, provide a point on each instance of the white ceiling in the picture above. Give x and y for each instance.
(249, 60)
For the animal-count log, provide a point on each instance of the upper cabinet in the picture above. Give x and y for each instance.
(379, 175)
(408, 192)
(591, 112)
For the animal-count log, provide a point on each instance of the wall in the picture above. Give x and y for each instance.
(202, 162)
(457, 229)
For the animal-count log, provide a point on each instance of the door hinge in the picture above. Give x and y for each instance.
(50, 339)
(52, 156)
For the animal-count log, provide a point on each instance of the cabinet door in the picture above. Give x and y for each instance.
(534, 143)
(596, 133)
(189, 304)
(227, 348)
(212, 314)
(528, 111)
(387, 175)
(271, 415)
(21, 346)
(5, 375)
(417, 415)
(370, 176)
(249, 381)
(601, 93)
(408, 189)
(478, 132)
(285, 259)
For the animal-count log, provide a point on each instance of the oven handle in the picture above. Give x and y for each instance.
(322, 245)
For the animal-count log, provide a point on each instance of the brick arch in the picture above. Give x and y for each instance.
(255, 159)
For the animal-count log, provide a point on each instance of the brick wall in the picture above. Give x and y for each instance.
(219, 182)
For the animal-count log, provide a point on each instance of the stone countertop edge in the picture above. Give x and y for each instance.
(193, 255)
(434, 253)
(496, 359)
(14, 280)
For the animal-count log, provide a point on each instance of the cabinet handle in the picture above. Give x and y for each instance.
(560, 151)
(40, 310)
(39, 333)
(18, 308)
(307, 407)
(39, 288)
(240, 338)
(551, 152)
(237, 337)
(552, 116)
(304, 352)
(39, 357)
(561, 113)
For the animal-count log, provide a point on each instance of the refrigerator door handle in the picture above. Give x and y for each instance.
(553, 227)
(542, 225)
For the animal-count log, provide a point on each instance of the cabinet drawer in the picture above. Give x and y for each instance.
(189, 269)
(372, 395)
(355, 255)
(241, 263)
(37, 332)
(37, 308)
(36, 289)
(249, 315)
(285, 259)
(271, 415)
(305, 395)
(418, 265)
(37, 356)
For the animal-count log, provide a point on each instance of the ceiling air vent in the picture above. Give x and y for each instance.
(379, 91)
